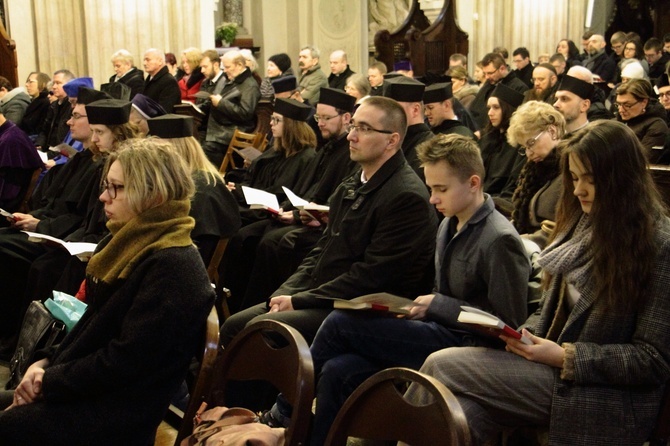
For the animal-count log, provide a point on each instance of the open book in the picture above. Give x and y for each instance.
(82, 250)
(318, 211)
(377, 302)
(248, 153)
(489, 324)
(259, 199)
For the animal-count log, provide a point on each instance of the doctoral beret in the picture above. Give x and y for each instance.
(171, 126)
(404, 89)
(147, 107)
(438, 93)
(577, 86)
(512, 97)
(108, 112)
(72, 87)
(290, 108)
(117, 90)
(284, 83)
(337, 98)
(87, 95)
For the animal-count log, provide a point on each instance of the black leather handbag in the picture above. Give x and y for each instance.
(39, 330)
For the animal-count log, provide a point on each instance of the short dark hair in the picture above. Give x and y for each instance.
(212, 55)
(521, 51)
(557, 57)
(587, 35)
(493, 58)
(502, 51)
(666, 38)
(653, 44)
(460, 57)
(392, 115)
(4, 83)
(379, 66)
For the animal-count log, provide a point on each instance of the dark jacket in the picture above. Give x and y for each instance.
(236, 109)
(656, 70)
(416, 134)
(526, 74)
(163, 89)
(35, 115)
(449, 126)
(134, 78)
(379, 238)
(111, 379)
(55, 128)
(502, 164)
(650, 128)
(339, 80)
(603, 66)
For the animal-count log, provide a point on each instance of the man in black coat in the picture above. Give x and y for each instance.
(598, 61)
(496, 72)
(438, 100)
(339, 70)
(656, 58)
(160, 85)
(524, 68)
(379, 234)
(55, 127)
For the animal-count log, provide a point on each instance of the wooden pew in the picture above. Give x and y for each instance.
(661, 175)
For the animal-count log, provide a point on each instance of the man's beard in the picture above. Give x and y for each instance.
(541, 95)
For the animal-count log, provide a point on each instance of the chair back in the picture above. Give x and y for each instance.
(205, 375)
(214, 277)
(255, 355)
(239, 141)
(378, 410)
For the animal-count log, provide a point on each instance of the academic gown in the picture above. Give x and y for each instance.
(416, 134)
(502, 164)
(449, 126)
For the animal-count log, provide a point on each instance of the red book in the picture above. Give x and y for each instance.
(489, 324)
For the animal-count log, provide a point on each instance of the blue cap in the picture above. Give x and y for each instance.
(72, 88)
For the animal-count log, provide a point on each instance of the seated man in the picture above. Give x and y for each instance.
(439, 109)
(378, 237)
(480, 262)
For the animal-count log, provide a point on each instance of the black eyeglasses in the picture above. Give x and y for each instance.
(111, 188)
(365, 129)
(318, 118)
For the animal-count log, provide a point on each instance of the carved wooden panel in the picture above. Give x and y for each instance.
(391, 46)
(8, 57)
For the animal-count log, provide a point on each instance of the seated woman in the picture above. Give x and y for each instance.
(213, 207)
(358, 87)
(36, 112)
(600, 352)
(278, 65)
(111, 379)
(190, 82)
(463, 91)
(501, 161)
(536, 128)
(640, 110)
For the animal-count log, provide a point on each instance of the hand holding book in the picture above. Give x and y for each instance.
(489, 324)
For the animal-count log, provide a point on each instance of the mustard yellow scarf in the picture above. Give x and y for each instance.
(164, 226)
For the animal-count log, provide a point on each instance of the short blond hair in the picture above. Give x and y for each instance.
(193, 57)
(531, 118)
(461, 154)
(153, 172)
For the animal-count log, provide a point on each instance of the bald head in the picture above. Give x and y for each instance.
(581, 73)
(596, 44)
(233, 64)
(153, 61)
(338, 61)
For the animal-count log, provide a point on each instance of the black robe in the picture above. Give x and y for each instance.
(449, 126)
(416, 134)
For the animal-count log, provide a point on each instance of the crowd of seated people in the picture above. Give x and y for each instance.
(437, 193)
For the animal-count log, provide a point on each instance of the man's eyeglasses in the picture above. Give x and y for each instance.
(529, 145)
(625, 106)
(318, 118)
(365, 129)
(111, 188)
(76, 116)
(662, 95)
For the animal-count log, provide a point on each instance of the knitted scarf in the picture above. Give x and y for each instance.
(164, 226)
(532, 178)
(572, 257)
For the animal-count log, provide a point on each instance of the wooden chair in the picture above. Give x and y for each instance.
(209, 354)
(255, 355)
(213, 274)
(24, 207)
(377, 410)
(240, 141)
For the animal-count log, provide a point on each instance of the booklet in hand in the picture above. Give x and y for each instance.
(384, 302)
(318, 211)
(260, 199)
(489, 324)
(6, 214)
(82, 250)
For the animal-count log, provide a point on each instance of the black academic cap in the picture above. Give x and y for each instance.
(579, 87)
(290, 108)
(512, 97)
(116, 90)
(337, 98)
(87, 95)
(438, 93)
(663, 81)
(284, 83)
(404, 89)
(108, 112)
(171, 126)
